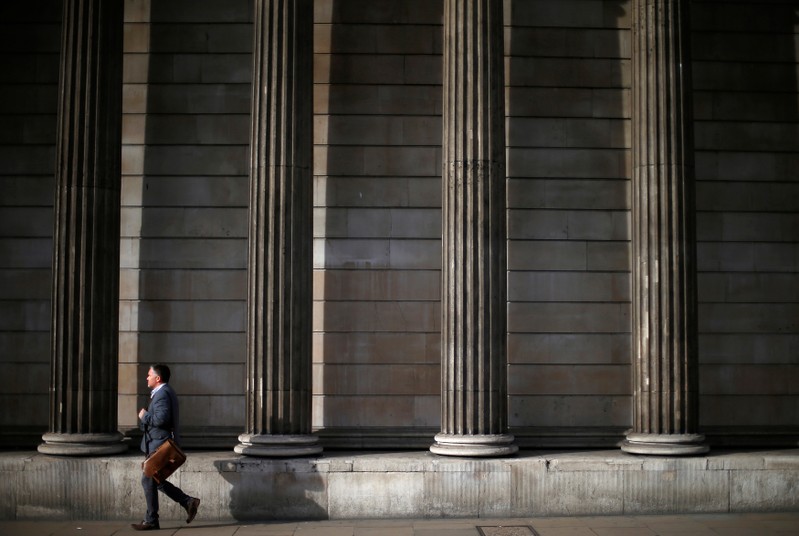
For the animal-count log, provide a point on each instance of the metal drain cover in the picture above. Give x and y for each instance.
(510, 530)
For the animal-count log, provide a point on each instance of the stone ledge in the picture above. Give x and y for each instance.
(419, 484)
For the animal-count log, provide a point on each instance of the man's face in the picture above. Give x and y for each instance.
(153, 379)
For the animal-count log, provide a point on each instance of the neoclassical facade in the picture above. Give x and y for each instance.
(472, 226)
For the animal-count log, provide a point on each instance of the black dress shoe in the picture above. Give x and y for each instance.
(145, 526)
(191, 508)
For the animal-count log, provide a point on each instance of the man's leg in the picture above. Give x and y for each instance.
(151, 496)
(176, 494)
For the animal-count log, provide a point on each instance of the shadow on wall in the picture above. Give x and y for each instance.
(377, 226)
(747, 147)
(274, 489)
(568, 166)
(188, 73)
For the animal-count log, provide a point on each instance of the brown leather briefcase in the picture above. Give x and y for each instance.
(164, 461)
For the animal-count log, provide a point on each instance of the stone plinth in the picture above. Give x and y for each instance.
(349, 485)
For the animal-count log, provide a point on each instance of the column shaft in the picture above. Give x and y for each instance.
(85, 294)
(473, 366)
(280, 240)
(663, 234)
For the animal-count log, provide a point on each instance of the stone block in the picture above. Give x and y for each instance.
(136, 37)
(374, 411)
(181, 347)
(747, 348)
(210, 129)
(361, 347)
(467, 493)
(749, 317)
(199, 98)
(27, 409)
(216, 38)
(568, 163)
(568, 13)
(566, 194)
(25, 284)
(753, 410)
(548, 102)
(26, 315)
(137, 11)
(366, 12)
(185, 222)
(584, 493)
(133, 128)
(135, 68)
(567, 42)
(568, 286)
(191, 316)
(285, 495)
(565, 72)
(676, 490)
(377, 316)
(546, 255)
(765, 491)
(614, 256)
(25, 346)
(740, 379)
(383, 495)
(415, 254)
(196, 160)
(378, 379)
(171, 253)
(27, 252)
(351, 254)
(569, 410)
(612, 103)
(134, 99)
(568, 317)
(569, 380)
(582, 348)
(209, 411)
(359, 69)
(213, 191)
(528, 487)
(183, 284)
(413, 285)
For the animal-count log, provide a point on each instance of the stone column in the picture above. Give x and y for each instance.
(474, 361)
(280, 241)
(85, 294)
(665, 401)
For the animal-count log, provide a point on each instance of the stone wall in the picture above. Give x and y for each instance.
(29, 48)
(747, 171)
(405, 485)
(377, 198)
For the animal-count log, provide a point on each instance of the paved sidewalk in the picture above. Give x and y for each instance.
(775, 524)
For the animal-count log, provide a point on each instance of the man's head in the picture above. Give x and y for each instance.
(157, 375)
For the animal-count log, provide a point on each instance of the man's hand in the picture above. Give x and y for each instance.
(142, 412)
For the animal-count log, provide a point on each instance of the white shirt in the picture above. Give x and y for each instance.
(155, 390)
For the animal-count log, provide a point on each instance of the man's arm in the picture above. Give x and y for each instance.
(160, 413)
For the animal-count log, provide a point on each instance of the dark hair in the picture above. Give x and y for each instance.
(162, 370)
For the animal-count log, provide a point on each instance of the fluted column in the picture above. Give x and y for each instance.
(663, 235)
(280, 241)
(473, 364)
(85, 294)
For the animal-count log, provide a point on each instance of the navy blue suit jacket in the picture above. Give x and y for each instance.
(161, 421)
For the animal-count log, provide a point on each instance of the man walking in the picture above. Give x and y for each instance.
(160, 421)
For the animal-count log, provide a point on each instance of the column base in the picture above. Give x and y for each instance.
(665, 444)
(82, 444)
(493, 445)
(278, 446)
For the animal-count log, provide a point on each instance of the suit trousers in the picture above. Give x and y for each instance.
(151, 490)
